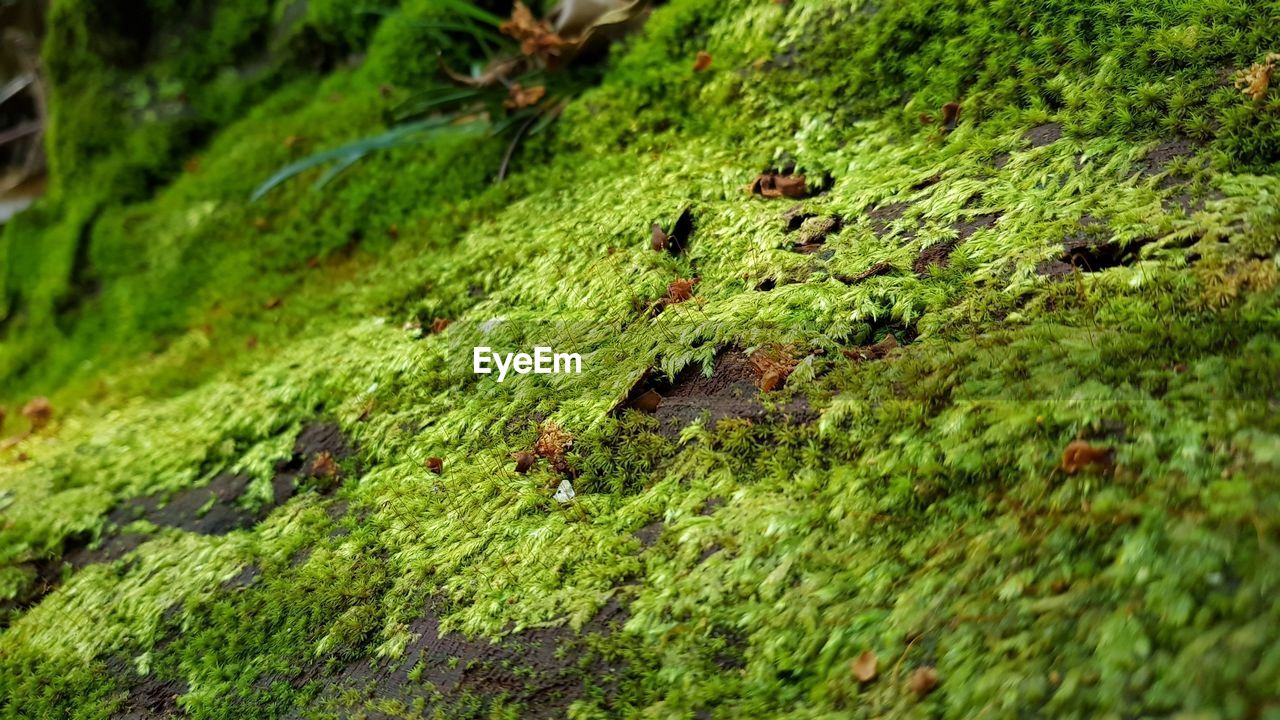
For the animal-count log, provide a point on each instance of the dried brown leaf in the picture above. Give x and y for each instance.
(923, 681)
(865, 667)
(772, 367)
(702, 61)
(435, 465)
(873, 352)
(522, 97)
(775, 185)
(659, 239)
(1080, 454)
(536, 37)
(524, 461)
(38, 412)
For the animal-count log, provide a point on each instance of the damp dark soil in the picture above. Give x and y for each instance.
(211, 509)
(216, 508)
(1042, 135)
(149, 697)
(540, 670)
(1159, 157)
(939, 254)
(877, 270)
(730, 392)
(1089, 249)
(881, 217)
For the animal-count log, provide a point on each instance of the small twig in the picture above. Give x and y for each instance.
(511, 149)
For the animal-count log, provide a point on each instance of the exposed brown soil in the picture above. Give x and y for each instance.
(149, 698)
(211, 509)
(1161, 155)
(936, 255)
(877, 270)
(814, 232)
(969, 226)
(1089, 249)
(881, 217)
(939, 254)
(794, 217)
(731, 392)
(1042, 135)
(540, 669)
(215, 509)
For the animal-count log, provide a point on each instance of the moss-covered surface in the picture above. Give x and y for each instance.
(1091, 254)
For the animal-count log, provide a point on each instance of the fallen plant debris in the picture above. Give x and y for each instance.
(439, 325)
(773, 366)
(552, 442)
(702, 61)
(522, 97)
(676, 241)
(876, 270)
(535, 36)
(1079, 455)
(524, 461)
(773, 184)
(865, 667)
(878, 351)
(923, 681)
(324, 466)
(38, 412)
(1255, 80)
(950, 116)
(435, 465)
(680, 290)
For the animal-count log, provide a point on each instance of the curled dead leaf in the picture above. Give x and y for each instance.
(647, 402)
(536, 37)
(38, 412)
(659, 240)
(1080, 454)
(524, 461)
(439, 324)
(522, 97)
(772, 184)
(865, 667)
(950, 115)
(772, 367)
(435, 465)
(702, 61)
(923, 681)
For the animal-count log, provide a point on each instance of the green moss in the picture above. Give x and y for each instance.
(923, 514)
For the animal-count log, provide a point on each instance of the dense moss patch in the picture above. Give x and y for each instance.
(1086, 253)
